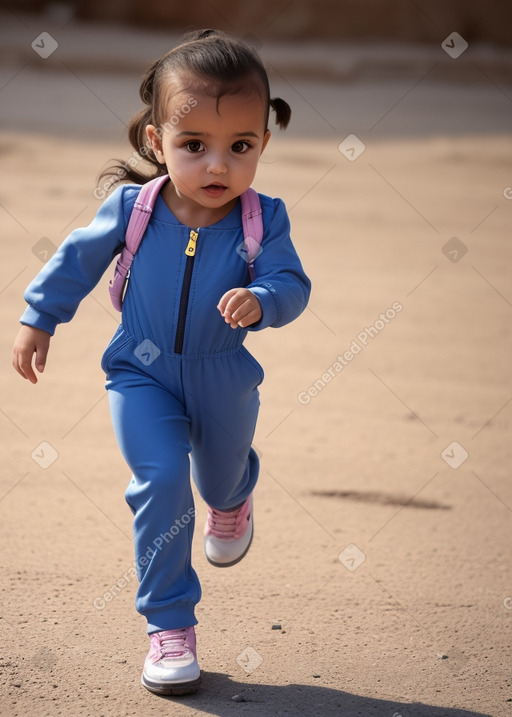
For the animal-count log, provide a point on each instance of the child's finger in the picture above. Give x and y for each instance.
(248, 312)
(233, 300)
(251, 318)
(41, 354)
(225, 300)
(238, 308)
(22, 362)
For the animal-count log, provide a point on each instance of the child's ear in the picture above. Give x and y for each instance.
(266, 138)
(154, 136)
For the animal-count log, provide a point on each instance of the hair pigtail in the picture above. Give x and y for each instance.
(282, 111)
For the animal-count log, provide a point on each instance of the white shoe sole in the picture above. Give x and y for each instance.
(170, 688)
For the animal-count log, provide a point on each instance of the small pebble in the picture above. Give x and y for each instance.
(276, 626)
(442, 656)
(238, 698)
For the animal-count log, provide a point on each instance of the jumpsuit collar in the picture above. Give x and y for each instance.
(232, 220)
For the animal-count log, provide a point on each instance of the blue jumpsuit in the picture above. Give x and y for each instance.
(183, 389)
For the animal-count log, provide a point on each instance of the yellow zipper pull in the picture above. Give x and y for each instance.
(191, 246)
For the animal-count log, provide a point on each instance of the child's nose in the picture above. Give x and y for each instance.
(217, 165)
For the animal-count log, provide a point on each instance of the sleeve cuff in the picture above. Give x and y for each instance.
(39, 320)
(268, 305)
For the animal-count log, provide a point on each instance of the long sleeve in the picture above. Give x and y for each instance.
(280, 284)
(77, 266)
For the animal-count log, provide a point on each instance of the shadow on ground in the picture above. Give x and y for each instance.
(215, 697)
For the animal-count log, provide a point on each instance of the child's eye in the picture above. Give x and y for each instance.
(240, 147)
(194, 146)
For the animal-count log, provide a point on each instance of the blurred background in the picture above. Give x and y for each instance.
(344, 64)
(389, 20)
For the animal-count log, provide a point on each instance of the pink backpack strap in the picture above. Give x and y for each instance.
(252, 223)
(141, 212)
(137, 224)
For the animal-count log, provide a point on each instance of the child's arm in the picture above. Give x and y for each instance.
(72, 272)
(30, 341)
(280, 290)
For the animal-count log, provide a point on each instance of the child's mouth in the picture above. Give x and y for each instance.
(215, 190)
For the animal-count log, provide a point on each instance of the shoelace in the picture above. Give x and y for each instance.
(172, 643)
(224, 524)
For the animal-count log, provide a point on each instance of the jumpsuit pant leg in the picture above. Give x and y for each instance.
(209, 406)
(221, 394)
(153, 433)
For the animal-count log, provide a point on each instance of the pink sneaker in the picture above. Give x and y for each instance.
(228, 534)
(171, 665)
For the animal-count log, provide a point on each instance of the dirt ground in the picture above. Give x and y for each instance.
(383, 512)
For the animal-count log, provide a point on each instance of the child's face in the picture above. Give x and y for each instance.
(211, 147)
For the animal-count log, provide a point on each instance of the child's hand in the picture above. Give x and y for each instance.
(30, 341)
(240, 307)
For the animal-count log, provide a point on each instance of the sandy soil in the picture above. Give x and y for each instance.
(386, 565)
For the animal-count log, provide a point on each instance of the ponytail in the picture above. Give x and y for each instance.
(122, 170)
(282, 111)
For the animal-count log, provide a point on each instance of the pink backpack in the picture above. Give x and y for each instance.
(140, 216)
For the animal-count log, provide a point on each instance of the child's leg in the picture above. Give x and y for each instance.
(223, 407)
(152, 432)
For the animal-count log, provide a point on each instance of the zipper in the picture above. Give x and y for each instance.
(190, 253)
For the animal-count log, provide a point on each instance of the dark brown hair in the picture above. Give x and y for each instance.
(211, 60)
